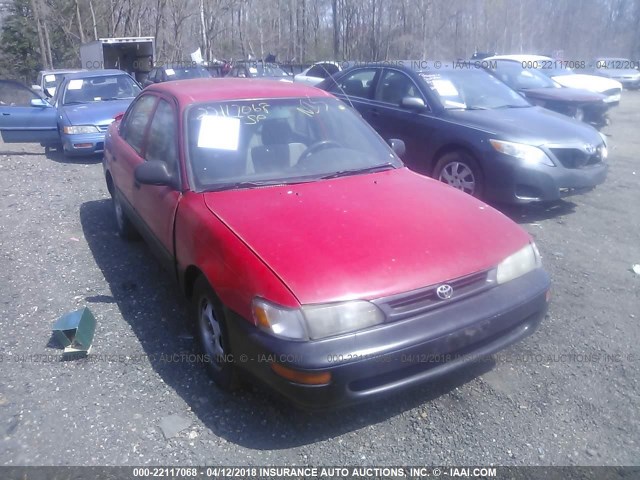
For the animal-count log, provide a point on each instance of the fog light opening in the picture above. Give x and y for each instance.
(82, 145)
(305, 378)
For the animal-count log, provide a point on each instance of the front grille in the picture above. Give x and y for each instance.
(404, 305)
(103, 128)
(576, 158)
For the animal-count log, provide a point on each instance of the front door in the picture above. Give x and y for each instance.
(25, 117)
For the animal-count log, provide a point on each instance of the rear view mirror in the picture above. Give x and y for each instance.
(412, 103)
(153, 173)
(397, 146)
(39, 102)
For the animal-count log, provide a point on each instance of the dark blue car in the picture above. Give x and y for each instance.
(468, 129)
(76, 118)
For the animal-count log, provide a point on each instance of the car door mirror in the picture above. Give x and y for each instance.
(397, 146)
(39, 102)
(412, 103)
(36, 88)
(153, 172)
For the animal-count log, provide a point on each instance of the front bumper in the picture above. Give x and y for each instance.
(83, 144)
(510, 180)
(400, 354)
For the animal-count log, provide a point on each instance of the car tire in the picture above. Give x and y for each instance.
(125, 228)
(209, 319)
(460, 170)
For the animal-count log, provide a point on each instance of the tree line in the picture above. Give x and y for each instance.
(48, 33)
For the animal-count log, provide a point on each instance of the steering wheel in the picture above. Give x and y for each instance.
(315, 148)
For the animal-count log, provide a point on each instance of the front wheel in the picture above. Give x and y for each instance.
(460, 170)
(125, 228)
(209, 318)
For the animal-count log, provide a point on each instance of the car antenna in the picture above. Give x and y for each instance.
(341, 90)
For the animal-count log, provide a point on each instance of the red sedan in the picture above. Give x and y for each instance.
(314, 260)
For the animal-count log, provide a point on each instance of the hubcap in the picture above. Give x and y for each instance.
(211, 333)
(460, 176)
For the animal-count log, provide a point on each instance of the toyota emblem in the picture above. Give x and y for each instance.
(444, 291)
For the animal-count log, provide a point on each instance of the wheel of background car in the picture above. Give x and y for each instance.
(460, 170)
(209, 318)
(125, 228)
(315, 148)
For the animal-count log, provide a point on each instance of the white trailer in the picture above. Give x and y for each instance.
(134, 55)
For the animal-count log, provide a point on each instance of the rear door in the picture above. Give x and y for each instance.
(156, 205)
(356, 89)
(23, 122)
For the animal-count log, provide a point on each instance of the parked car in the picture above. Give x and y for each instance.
(166, 73)
(256, 69)
(262, 199)
(48, 80)
(561, 74)
(78, 115)
(470, 130)
(623, 70)
(317, 72)
(541, 90)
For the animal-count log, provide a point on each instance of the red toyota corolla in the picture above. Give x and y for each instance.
(314, 260)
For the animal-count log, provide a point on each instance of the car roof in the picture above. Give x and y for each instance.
(220, 89)
(518, 58)
(57, 71)
(95, 73)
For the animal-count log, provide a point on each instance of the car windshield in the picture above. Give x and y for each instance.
(557, 72)
(186, 73)
(520, 78)
(52, 80)
(471, 89)
(244, 144)
(97, 89)
(267, 70)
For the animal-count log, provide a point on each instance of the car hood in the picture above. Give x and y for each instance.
(97, 113)
(593, 83)
(532, 125)
(563, 95)
(367, 236)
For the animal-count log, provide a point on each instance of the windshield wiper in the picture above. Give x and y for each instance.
(356, 171)
(74, 103)
(512, 106)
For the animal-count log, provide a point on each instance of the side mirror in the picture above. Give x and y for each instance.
(412, 103)
(39, 102)
(118, 117)
(153, 173)
(36, 88)
(397, 146)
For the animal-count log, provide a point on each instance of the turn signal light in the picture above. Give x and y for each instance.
(297, 376)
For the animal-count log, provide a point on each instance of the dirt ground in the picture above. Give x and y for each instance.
(568, 395)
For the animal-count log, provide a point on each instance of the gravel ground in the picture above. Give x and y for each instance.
(550, 400)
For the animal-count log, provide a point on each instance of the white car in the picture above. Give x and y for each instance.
(558, 71)
(317, 72)
(48, 80)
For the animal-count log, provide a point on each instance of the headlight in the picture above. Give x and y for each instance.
(604, 151)
(77, 129)
(523, 261)
(313, 322)
(528, 153)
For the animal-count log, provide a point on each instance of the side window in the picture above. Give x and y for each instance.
(394, 86)
(317, 71)
(162, 142)
(15, 94)
(136, 122)
(357, 84)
